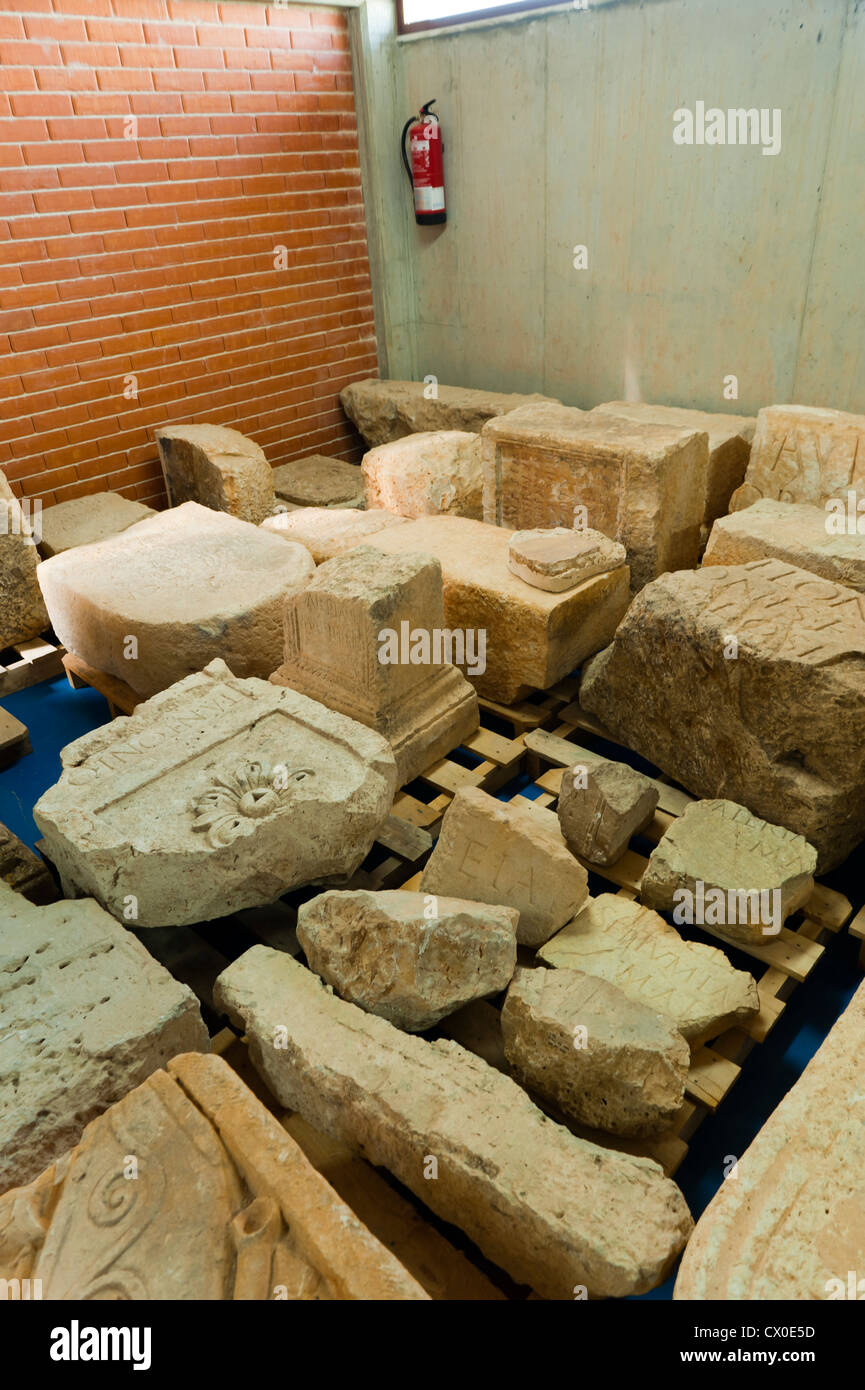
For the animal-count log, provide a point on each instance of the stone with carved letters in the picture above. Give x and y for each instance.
(746, 682)
(85, 1014)
(634, 948)
(215, 795)
(160, 600)
(804, 453)
(188, 1188)
(427, 474)
(22, 607)
(492, 852)
(366, 638)
(218, 467)
(412, 958)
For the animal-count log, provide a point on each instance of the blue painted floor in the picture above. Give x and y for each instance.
(55, 715)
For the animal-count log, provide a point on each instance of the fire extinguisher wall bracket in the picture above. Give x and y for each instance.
(425, 165)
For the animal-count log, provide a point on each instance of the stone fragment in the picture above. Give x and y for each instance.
(22, 608)
(730, 439)
(163, 598)
(747, 682)
(753, 874)
(632, 947)
(223, 1205)
(802, 453)
(85, 1014)
(24, 871)
(319, 481)
(643, 485)
(601, 805)
(330, 531)
(216, 795)
(492, 852)
(84, 520)
(602, 1058)
(365, 638)
(218, 467)
(553, 1210)
(791, 1227)
(387, 410)
(531, 639)
(561, 558)
(408, 957)
(796, 533)
(427, 474)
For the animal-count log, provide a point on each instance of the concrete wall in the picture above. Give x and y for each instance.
(703, 261)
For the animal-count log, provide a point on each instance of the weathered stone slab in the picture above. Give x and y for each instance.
(553, 1210)
(560, 558)
(493, 852)
(730, 438)
(632, 947)
(24, 871)
(83, 520)
(720, 865)
(166, 596)
(411, 958)
(387, 410)
(330, 531)
(802, 453)
(85, 1014)
(427, 475)
(188, 1188)
(788, 1223)
(747, 682)
(216, 795)
(364, 638)
(319, 481)
(22, 609)
(643, 485)
(601, 805)
(532, 639)
(217, 467)
(796, 533)
(602, 1058)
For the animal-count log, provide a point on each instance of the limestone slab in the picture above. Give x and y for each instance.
(643, 485)
(493, 852)
(602, 1058)
(763, 871)
(217, 467)
(216, 795)
(789, 1222)
(83, 520)
(24, 871)
(387, 410)
(364, 638)
(747, 682)
(319, 481)
(532, 639)
(560, 558)
(411, 958)
(189, 1189)
(166, 596)
(794, 532)
(427, 474)
(553, 1210)
(601, 805)
(85, 1014)
(803, 453)
(330, 531)
(22, 608)
(730, 438)
(633, 948)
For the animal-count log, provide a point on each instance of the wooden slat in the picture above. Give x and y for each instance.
(14, 739)
(37, 659)
(120, 696)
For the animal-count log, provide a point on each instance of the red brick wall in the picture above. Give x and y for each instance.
(155, 156)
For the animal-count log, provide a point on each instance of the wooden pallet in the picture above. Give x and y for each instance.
(121, 698)
(857, 929)
(26, 663)
(14, 739)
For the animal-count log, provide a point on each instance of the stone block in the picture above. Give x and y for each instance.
(794, 532)
(22, 608)
(601, 805)
(803, 453)
(83, 520)
(217, 467)
(319, 481)
(427, 475)
(388, 410)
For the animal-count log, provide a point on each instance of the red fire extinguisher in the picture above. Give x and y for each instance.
(426, 170)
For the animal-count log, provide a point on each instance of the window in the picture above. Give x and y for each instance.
(415, 15)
